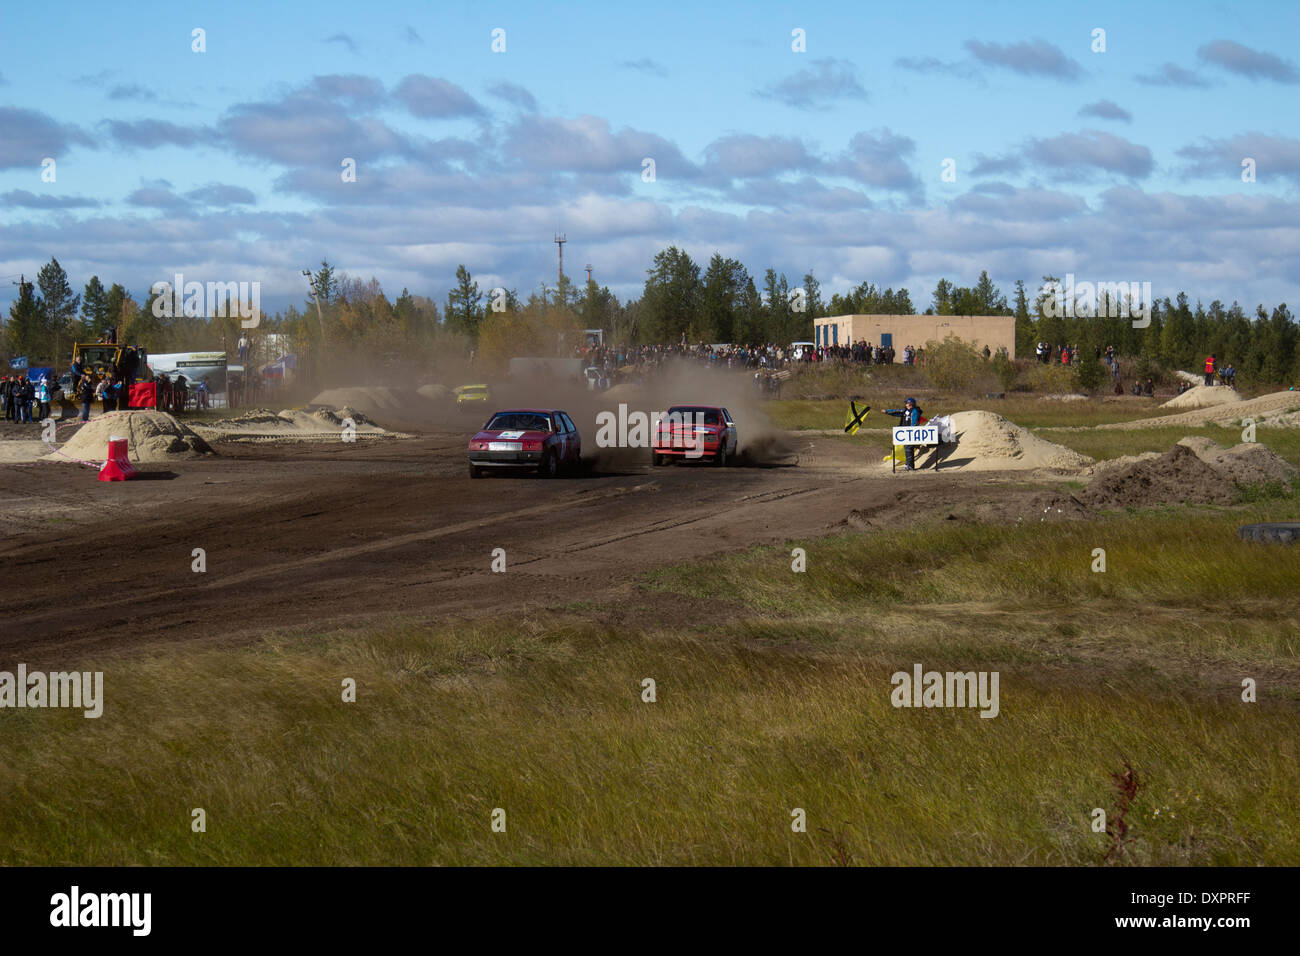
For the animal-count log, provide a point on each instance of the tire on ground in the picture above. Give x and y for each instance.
(1274, 532)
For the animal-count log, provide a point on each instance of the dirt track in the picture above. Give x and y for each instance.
(344, 535)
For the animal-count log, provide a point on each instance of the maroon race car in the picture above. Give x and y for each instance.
(695, 431)
(538, 439)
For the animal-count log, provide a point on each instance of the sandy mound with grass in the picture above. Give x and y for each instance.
(988, 442)
(151, 436)
(1177, 476)
(1266, 410)
(1204, 396)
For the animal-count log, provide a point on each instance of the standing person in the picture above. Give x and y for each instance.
(1209, 370)
(908, 415)
(25, 399)
(125, 377)
(42, 399)
(7, 397)
(108, 393)
(86, 392)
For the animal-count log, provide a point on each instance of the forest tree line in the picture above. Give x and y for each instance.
(679, 302)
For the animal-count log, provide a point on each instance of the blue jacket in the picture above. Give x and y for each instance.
(905, 417)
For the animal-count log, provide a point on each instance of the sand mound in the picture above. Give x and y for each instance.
(400, 408)
(290, 425)
(1270, 409)
(1249, 463)
(1177, 476)
(988, 442)
(1204, 396)
(436, 393)
(150, 435)
(372, 401)
(1111, 464)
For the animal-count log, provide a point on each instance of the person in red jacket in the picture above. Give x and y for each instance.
(1209, 370)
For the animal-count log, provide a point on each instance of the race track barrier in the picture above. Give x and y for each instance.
(117, 467)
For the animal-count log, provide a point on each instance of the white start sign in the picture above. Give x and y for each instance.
(916, 435)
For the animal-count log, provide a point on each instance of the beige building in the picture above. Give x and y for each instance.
(995, 331)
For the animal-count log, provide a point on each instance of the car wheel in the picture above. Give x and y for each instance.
(549, 466)
(475, 471)
(720, 459)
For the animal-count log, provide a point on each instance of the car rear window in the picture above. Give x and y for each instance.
(520, 422)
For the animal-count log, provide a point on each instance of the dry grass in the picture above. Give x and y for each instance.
(785, 704)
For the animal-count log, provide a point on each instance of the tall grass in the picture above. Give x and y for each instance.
(780, 701)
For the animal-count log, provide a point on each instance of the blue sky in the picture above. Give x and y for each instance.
(225, 165)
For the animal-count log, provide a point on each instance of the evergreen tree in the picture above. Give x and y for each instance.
(94, 308)
(116, 310)
(23, 330)
(325, 283)
(813, 305)
(58, 307)
(464, 313)
(671, 298)
(941, 301)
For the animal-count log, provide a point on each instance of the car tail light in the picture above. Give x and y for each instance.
(532, 446)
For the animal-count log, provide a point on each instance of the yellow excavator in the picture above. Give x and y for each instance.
(114, 359)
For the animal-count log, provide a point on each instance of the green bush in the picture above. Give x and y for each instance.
(952, 364)
(1090, 373)
(1005, 370)
(1052, 379)
(1144, 367)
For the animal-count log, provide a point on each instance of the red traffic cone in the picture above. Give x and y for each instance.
(117, 467)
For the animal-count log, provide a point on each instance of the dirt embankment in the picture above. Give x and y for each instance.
(1195, 471)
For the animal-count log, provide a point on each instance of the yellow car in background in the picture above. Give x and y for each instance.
(469, 397)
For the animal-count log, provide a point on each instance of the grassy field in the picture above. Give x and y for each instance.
(773, 693)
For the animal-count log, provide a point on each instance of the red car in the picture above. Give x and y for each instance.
(542, 440)
(694, 432)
